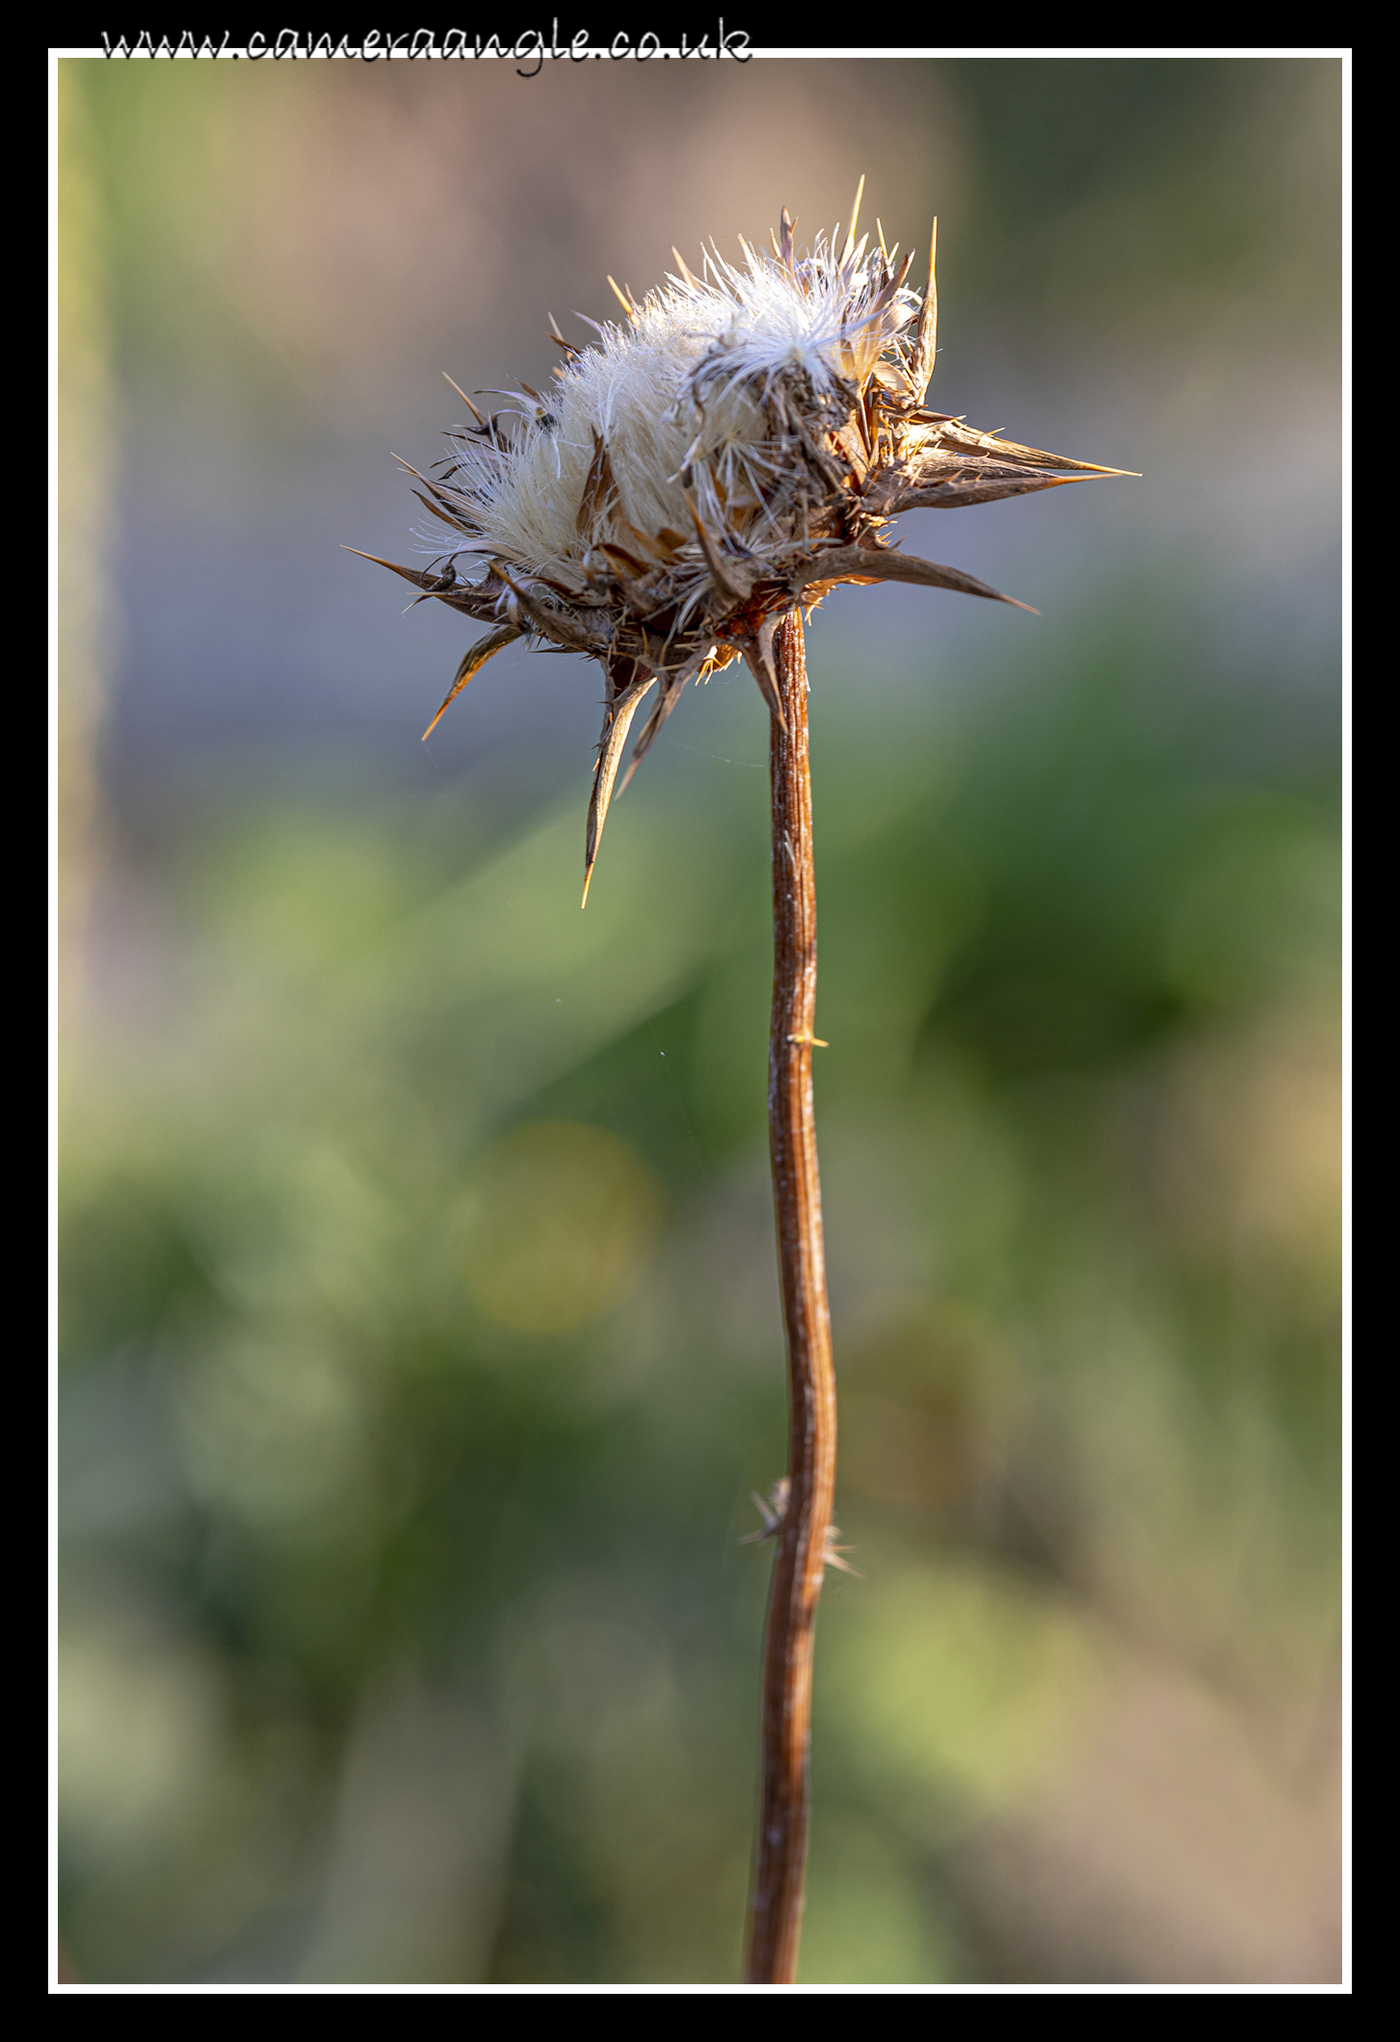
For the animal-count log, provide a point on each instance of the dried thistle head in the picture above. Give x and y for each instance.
(731, 451)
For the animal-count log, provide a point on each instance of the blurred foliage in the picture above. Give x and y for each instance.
(374, 1356)
(1156, 166)
(419, 1327)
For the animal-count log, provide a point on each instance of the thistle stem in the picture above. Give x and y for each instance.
(775, 1901)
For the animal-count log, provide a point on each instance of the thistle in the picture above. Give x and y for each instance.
(697, 479)
(723, 459)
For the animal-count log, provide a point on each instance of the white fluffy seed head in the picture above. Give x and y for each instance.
(729, 454)
(681, 395)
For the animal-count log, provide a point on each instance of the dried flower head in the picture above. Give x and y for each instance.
(732, 451)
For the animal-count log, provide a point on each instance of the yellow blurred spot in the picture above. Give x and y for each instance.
(558, 1225)
(139, 1736)
(968, 1679)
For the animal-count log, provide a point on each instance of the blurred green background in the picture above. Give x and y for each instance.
(420, 1337)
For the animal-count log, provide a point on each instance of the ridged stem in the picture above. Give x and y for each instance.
(775, 1901)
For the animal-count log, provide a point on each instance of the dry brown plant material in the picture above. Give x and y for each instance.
(697, 479)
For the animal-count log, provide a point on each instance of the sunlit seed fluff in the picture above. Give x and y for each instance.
(684, 391)
(730, 452)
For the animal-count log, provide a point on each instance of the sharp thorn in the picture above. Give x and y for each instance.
(626, 303)
(466, 400)
(855, 215)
